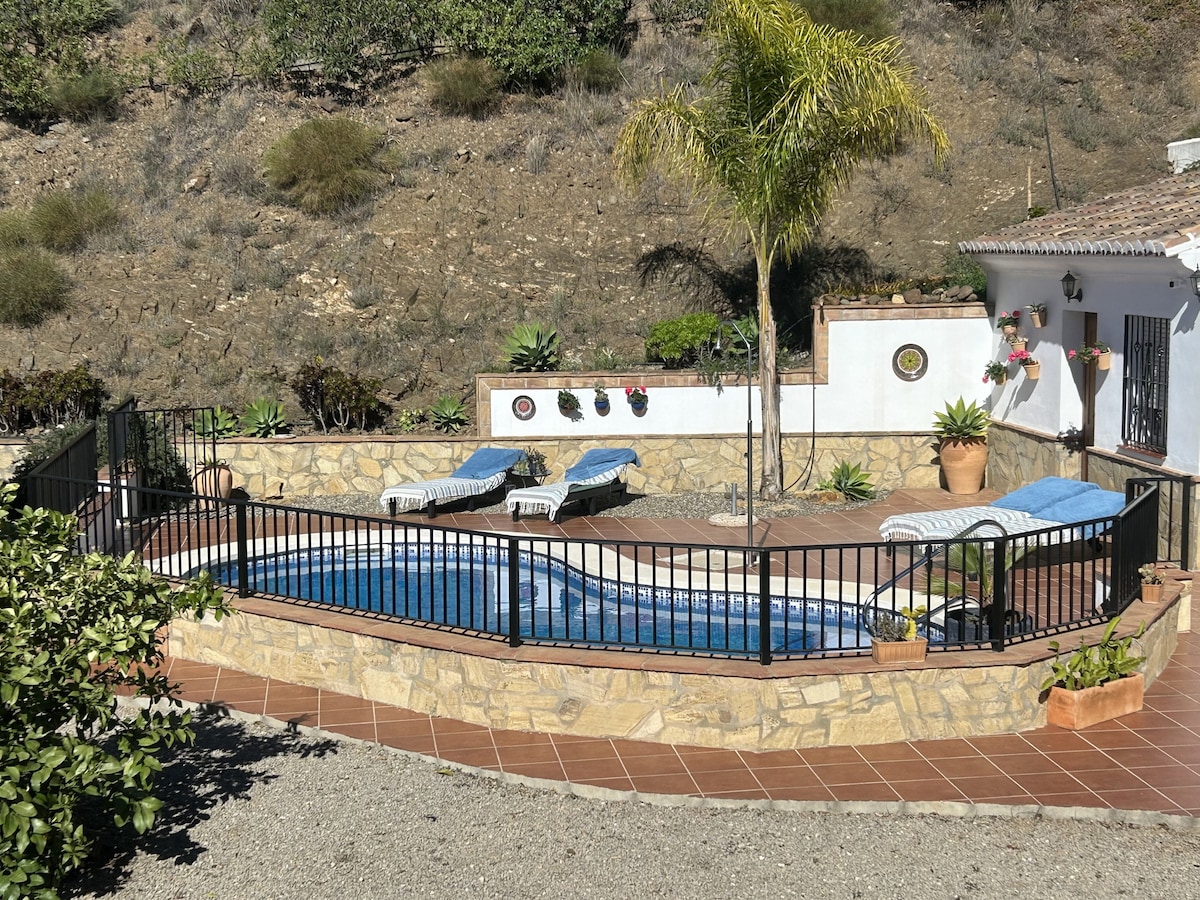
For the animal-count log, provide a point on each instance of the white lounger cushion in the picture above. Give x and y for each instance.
(945, 524)
(549, 497)
(417, 494)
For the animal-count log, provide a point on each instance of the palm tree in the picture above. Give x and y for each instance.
(788, 111)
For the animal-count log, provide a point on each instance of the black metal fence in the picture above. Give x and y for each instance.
(765, 603)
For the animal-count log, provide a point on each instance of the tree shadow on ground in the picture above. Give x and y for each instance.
(221, 765)
(732, 292)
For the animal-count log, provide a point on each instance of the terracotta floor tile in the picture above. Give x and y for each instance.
(1000, 744)
(354, 715)
(825, 756)
(758, 794)
(528, 754)
(637, 748)
(847, 773)
(966, 767)
(1020, 763)
(1085, 760)
(1164, 778)
(589, 770)
(679, 783)
(1141, 757)
(613, 784)
(700, 760)
(505, 738)
(479, 757)
(889, 752)
(662, 764)
(1136, 799)
(281, 690)
(786, 776)
(463, 740)
(1186, 754)
(906, 770)
(453, 726)
(581, 750)
(198, 691)
(389, 732)
(1118, 738)
(769, 758)
(363, 731)
(549, 771)
(252, 705)
(1038, 783)
(1082, 798)
(330, 700)
(945, 749)
(1109, 780)
(927, 790)
(990, 788)
(729, 780)
(815, 792)
(1056, 740)
(878, 792)
(386, 713)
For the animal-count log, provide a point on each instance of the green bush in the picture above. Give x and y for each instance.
(598, 70)
(671, 15)
(193, 72)
(78, 630)
(464, 86)
(870, 18)
(63, 220)
(86, 96)
(962, 269)
(336, 399)
(678, 342)
(327, 165)
(33, 286)
(334, 33)
(55, 397)
(531, 41)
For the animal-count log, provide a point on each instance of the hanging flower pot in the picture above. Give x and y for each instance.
(637, 398)
(1033, 370)
(1104, 361)
(1037, 314)
(1018, 344)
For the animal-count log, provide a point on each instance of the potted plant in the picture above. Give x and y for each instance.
(1152, 583)
(601, 399)
(1015, 342)
(214, 478)
(568, 403)
(962, 431)
(636, 397)
(894, 638)
(1032, 367)
(1095, 684)
(1008, 321)
(531, 469)
(1096, 352)
(995, 371)
(1037, 314)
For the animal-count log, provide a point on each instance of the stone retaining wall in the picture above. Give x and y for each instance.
(609, 695)
(318, 466)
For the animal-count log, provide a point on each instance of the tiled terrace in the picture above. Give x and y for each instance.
(1148, 761)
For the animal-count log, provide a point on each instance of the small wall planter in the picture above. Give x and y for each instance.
(1017, 344)
(1152, 593)
(1079, 709)
(1038, 318)
(899, 651)
(1033, 371)
(1104, 361)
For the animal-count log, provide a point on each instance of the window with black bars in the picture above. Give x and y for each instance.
(1147, 359)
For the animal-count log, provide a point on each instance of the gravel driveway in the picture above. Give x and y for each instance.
(255, 812)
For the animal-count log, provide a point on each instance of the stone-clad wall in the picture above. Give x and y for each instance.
(829, 707)
(1017, 456)
(304, 466)
(10, 452)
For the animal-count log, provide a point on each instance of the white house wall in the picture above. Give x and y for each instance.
(1113, 287)
(862, 394)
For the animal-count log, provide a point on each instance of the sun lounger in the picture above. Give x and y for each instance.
(485, 471)
(596, 475)
(1049, 503)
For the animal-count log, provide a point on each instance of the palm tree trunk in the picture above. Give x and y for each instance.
(771, 487)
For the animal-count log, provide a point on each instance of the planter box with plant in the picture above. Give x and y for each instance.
(1007, 321)
(1037, 314)
(601, 399)
(637, 398)
(995, 372)
(894, 638)
(568, 403)
(1152, 583)
(1095, 684)
(1096, 352)
(1031, 367)
(263, 418)
(962, 430)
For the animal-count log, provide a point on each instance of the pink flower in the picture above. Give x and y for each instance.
(1071, 354)
(1020, 356)
(1095, 351)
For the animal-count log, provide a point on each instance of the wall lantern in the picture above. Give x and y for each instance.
(1070, 289)
(1194, 278)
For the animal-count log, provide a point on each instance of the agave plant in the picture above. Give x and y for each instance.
(217, 422)
(448, 414)
(532, 348)
(849, 481)
(960, 421)
(263, 418)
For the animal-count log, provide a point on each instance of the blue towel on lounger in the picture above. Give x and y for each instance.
(1091, 505)
(598, 461)
(1039, 496)
(488, 461)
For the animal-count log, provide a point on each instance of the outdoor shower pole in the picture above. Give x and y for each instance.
(749, 430)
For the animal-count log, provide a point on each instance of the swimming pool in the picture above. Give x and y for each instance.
(471, 587)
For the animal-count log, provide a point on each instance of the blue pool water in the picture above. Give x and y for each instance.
(468, 587)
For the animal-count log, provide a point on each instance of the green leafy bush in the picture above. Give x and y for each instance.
(193, 71)
(326, 166)
(88, 95)
(464, 86)
(55, 397)
(849, 481)
(678, 342)
(870, 18)
(598, 70)
(350, 40)
(339, 400)
(532, 42)
(33, 286)
(671, 15)
(78, 629)
(1092, 666)
(532, 347)
(448, 414)
(217, 422)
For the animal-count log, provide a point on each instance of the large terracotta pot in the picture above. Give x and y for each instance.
(963, 464)
(1079, 709)
(213, 481)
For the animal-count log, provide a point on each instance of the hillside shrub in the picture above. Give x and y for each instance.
(77, 630)
(336, 399)
(88, 95)
(55, 397)
(530, 41)
(326, 166)
(672, 15)
(678, 342)
(33, 286)
(870, 18)
(63, 220)
(464, 86)
(353, 41)
(598, 70)
(192, 71)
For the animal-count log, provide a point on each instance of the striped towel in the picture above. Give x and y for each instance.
(550, 497)
(945, 524)
(418, 493)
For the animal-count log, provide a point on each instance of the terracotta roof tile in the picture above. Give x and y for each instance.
(1156, 219)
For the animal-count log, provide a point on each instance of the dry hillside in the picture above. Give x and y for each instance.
(208, 293)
